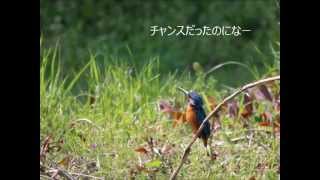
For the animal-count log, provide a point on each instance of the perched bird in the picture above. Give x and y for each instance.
(195, 115)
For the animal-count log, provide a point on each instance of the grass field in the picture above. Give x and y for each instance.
(102, 120)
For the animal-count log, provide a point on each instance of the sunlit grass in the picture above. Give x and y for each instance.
(107, 109)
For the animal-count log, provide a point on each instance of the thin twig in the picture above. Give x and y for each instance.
(250, 139)
(215, 110)
(238, 139)
(46, 177)
(85, 175)
(65, 174)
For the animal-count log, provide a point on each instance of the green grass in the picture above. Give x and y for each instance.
(125, 114)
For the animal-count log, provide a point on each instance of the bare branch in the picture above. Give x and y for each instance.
(215, 110)
(85, 175)
(65, 174)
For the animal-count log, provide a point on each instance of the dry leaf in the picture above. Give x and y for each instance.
(54, 173)
(165, 106)
(266, 116)
(45, 147)
(65, 161)
(265, 123)
(141, 150)
(177, 116)
(233, 108)
(266, 93)
(248, 107)
(261, 93)
(167, 149)
(153, 163)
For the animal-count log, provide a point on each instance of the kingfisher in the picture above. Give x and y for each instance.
(195, 115)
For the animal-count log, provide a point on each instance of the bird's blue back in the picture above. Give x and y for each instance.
(201, 115)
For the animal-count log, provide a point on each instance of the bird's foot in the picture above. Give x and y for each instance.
(208, 151)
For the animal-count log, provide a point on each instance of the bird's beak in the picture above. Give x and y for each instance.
(184, 91)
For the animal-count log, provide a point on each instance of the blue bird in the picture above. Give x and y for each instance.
(195, 115)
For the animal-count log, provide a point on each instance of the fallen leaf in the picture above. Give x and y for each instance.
(65, 161)
(248, 107)
(167, 149)
(266, 93)
(233, 108)
(45, 147)
(153, 164)
(266, 119)
(265, 123)
(266, 116)
(165, 106)
(260, 93)
(177, 116)
(141, 150)
(55, 173)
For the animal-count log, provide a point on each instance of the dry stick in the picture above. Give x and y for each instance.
(68, 175)
(65, 174)
(85, 175)
(215, 110)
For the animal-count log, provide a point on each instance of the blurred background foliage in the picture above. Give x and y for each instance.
(117, 28)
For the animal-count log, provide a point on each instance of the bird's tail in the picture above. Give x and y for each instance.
(205, 141)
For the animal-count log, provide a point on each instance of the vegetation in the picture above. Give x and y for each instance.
(102, 79)
(111, 120)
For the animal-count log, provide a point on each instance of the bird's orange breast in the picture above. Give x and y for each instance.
(191, 118)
